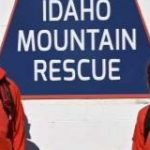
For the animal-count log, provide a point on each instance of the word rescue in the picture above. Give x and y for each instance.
(99, 70)
(96, 41)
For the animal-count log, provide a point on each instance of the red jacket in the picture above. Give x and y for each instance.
(18, 139)
(138, 137)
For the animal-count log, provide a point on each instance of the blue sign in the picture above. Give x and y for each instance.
(77, 47)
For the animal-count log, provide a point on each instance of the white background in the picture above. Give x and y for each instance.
(80, 124)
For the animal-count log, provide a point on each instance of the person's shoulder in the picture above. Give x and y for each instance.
(13, 86)
(144, 109)
(142, 113)
(12, 83)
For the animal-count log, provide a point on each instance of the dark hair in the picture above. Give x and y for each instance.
(147, 117)
(148, 75)
(147, 124)
(8, 104)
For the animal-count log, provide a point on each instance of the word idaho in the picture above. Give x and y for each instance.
(95, 10)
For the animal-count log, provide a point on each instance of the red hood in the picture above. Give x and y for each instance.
(2, 73)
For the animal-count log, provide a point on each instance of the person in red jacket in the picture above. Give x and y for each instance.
(141, 137)
(12, 121)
